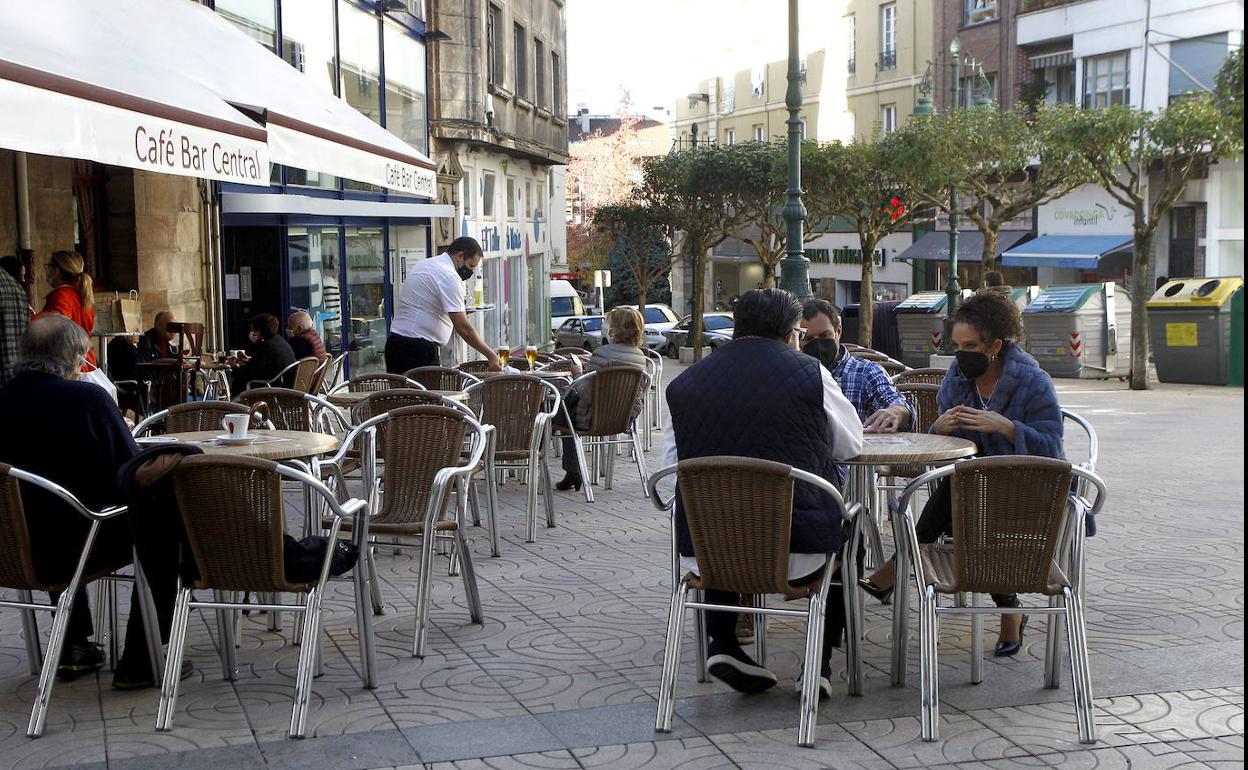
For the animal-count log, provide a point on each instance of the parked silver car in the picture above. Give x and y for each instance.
(582, 331)
(716, 331)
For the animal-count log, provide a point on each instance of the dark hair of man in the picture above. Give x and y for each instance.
(465, 244)
(815, 306)
(992, 314)
(12, 266)
(265, 323)
(994, 278)
(770, 313)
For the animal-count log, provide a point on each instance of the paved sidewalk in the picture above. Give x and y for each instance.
(563, 672)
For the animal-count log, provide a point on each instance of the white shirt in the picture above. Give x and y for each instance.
(432, 290)
(846, 443)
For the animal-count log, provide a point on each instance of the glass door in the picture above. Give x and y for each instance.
(252, 278)
(366, 299)
(314, 280)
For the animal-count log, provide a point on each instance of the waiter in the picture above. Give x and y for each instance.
(431, 306)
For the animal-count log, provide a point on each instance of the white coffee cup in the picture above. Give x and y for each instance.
(236, 424)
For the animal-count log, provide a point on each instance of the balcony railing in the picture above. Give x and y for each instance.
(1028, 6)
(851, 66)
(888, 60)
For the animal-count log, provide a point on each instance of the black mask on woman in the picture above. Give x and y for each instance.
(464, 272)
(972, 363)
(827, 351)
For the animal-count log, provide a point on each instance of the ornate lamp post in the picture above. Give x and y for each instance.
(953, 291)
(794, 268)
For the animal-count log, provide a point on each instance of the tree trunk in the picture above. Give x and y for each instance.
(1140, 292)
(866, 291)
(695, 326)
(989, 255)
(641, 304)
(769, 274)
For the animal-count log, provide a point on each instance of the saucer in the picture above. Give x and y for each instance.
(229, 440)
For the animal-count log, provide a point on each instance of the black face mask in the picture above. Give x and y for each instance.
(464, 272)
(972, 363)
(827, 351)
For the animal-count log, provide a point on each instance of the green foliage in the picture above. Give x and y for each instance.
(640, 241)
(1229, 91)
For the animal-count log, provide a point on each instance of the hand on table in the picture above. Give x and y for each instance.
(948, 421)
(888, 420)
(496, 364)
(984, 420)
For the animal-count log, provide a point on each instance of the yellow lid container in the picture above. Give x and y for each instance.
(1195, 292)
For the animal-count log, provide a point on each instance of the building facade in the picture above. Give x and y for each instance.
(985, 31)
(1093, 53)
(499, 138)
(889, 47)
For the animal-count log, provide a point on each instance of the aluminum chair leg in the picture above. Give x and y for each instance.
(852, 597)
(901, 604)
(699, 630)
(977, 636)
(1053, 648)
(173, 667)
(491, 498)
(760, 631)
(609, 465)
(671, 658)
(929, 679)
(453, 556)
(812, 662)
(531, 502)
(548, 491)
(307, 653)
(374, 583)
(583, 466)
(364, 625)
(105, 634)
(1081, 674)
(641, 462)
(424, 587)
(225, 632)
(275, 616)
(470, 580)
(30, 632)
(474, 503)
(47, 677)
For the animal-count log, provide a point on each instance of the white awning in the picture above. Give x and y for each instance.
(1055, 59)
(264, 203)
(78, 79)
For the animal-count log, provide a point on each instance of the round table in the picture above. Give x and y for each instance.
(913, 449)
(272, 444)
(352, 398)
(539, 374)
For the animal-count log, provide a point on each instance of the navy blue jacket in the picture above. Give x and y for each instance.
(1024, 394)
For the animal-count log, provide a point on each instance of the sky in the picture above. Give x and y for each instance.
(660, 49)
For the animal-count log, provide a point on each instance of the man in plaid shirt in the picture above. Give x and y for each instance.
(865, 383)
(14, 317)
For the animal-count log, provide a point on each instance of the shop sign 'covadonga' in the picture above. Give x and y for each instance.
(171, 151)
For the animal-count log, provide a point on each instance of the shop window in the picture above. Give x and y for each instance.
(256, 18)
(487, 194)
(360, 52)
(405, 88)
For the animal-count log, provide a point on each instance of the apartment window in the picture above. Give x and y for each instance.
(493, 51)
(978, 11)
(257, 20)
(888, 118)
(539, 202)
(487, 194)
(539, 73)
(556, 84)
(730, 136)
(759, 135)
(470, 192)
(528, 199)
(1194, 65)
(888, 36)
(1106, 80)
(1064, 84)
(511, 198)
(852, 30)
(522, 61)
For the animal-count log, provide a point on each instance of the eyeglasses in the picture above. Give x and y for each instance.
(801, 334)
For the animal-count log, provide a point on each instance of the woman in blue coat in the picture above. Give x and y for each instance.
(996, 395)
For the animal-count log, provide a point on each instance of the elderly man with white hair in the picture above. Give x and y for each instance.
(301, 333)
(72, 433)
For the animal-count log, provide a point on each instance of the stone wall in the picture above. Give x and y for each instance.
(51, 210)
(169, 245)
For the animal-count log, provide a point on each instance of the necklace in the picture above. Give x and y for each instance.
(986, 404)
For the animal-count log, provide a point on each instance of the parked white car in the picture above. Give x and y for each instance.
(659, 319)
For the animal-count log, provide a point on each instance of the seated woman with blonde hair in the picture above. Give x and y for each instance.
(625, 332)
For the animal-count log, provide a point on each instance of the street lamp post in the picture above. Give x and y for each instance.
(794, 268)
(953, 291)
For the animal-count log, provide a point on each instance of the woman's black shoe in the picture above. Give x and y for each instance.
(569, 482)
(884, 595)
(1007, 649)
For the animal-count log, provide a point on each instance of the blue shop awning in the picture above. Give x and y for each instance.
(1065, 251)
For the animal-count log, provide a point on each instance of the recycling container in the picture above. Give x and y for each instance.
(1080, 331)
(1189, 321)
(921, 327)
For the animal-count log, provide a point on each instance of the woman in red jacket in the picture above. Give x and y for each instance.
(71, 294)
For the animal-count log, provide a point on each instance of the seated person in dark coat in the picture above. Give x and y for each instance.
(731, 403)
(157, 342)
(268, 353)
(72, 433)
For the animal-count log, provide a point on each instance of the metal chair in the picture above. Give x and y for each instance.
(927, 376)
(654, 396)
(571, 351)
(922, 400)
(614, 392)
(423, 446)
(233, 514)
(191, 417)
(18, 573)
(298, 376)
(332, 373)
(893, 368)
(1011, 518)
(521, 408)
(739, 512)
(371, 383)
(291, 409)
(441, 378)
